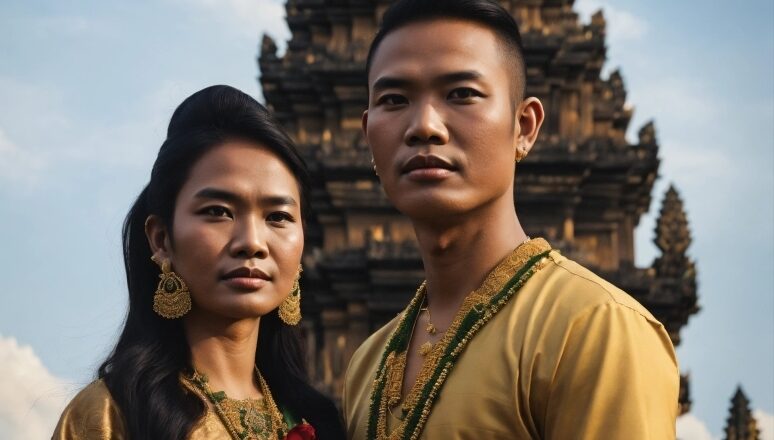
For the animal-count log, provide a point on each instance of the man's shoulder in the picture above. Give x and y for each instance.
(578, 288)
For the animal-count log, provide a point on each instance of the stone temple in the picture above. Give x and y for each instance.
(584, 187)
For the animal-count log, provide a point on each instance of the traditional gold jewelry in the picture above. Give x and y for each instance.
(290, 309)
(430, 328)
(477, 309)
(373, 165)
(520, 154)
(248, 418)
(172, 298)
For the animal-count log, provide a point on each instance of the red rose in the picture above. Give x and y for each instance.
(302, 431)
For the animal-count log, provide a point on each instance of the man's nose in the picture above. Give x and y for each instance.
(427, 127)
(249, 239)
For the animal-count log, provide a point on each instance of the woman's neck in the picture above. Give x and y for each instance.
(225, 352)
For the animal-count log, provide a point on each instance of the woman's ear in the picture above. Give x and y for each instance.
(158, 238)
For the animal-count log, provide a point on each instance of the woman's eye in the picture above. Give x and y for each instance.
(280, 217)
(392, 100)
(464, 93)
(217, 211)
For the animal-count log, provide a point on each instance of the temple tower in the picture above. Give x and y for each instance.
(741, 425)
(584, 187)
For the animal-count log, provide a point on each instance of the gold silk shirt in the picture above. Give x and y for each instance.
(94, 415)
(570, 356)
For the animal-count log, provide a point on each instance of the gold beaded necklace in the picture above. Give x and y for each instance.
(477, 309)
(248, 418)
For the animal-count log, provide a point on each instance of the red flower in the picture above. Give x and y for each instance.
(302, 431)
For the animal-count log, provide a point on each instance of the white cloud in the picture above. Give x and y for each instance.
(248, 17)
(19, 165)
(689, 427)
(621, 25)
(765, 424)
(31, 398)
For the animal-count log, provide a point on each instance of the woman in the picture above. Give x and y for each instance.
(212, 249)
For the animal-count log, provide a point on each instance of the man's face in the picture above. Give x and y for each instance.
(441, 121)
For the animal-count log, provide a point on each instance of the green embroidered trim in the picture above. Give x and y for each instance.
(476, 318)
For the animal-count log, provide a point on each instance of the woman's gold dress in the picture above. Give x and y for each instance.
(94, 415)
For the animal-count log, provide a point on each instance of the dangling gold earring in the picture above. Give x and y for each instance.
(172, 298)
(290, 309)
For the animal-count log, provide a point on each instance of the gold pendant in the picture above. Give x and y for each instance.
(425, 348)
(430, 328)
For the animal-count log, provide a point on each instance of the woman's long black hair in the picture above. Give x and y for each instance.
(142, 371)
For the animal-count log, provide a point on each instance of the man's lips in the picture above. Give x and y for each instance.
(427, 162)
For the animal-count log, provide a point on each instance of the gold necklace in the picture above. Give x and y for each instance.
(502, 283)
(248, 418)
(430, 328)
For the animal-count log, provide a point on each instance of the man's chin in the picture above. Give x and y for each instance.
(431, 206)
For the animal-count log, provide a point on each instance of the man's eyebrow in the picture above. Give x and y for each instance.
(463, 75)
(389, 82)
(279, 201)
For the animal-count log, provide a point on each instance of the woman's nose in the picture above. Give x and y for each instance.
(249, 240)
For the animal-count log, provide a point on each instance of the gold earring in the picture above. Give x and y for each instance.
(373, 165)
(520, 155)
(172, 298)
(290, 309)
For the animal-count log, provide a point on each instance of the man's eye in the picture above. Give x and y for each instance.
(216, 211)
(280, 217)
(464, 93)
(392, 100)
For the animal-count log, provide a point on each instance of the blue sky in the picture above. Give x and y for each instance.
(87, 88)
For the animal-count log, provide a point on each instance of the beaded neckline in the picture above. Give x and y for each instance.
(247, 418)
(477, 309)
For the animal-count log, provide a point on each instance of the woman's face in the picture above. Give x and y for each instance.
(237, 236)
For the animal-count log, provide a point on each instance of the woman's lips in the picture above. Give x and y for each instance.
(246, 284)
(247, 279)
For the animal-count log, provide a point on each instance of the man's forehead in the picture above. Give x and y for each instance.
(436, 47)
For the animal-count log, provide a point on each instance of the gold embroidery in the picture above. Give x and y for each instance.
(395, 363)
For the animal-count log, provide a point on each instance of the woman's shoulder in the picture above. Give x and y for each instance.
(92, 414)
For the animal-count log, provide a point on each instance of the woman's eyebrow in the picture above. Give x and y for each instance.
(217, 193)
(228, 196)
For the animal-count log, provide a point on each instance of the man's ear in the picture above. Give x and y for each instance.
(158, 238)
(529, 118)
(364, 123)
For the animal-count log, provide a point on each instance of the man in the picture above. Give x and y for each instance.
(507, 339)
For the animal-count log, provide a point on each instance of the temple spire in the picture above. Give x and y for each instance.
(675, 272)
(673, 237)
(741, 425)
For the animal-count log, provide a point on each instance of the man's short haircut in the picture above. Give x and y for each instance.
(484, 12)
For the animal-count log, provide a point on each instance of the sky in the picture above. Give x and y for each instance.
(87, 89)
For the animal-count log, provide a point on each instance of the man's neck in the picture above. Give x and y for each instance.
(457, 258)
(225, 351)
